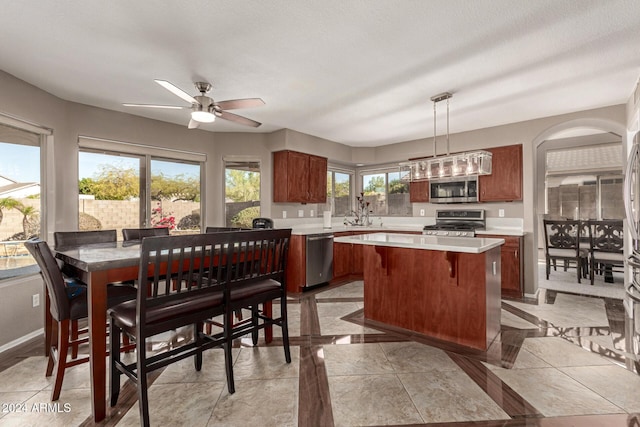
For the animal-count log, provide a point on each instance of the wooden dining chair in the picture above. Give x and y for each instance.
(607, 246)
(69, 239)
(562, 243)
(193, 260)
(256, 277)
(137, 234)
(68, 304)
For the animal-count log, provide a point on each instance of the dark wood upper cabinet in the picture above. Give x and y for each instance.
(299, 177)
(419, 191)
(505, 182)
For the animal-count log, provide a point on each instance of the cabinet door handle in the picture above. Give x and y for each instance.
(516, 254)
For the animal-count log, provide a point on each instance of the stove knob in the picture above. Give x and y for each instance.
(458, 233)
(446, 233)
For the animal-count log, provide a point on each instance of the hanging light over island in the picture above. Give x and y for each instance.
(445, 166)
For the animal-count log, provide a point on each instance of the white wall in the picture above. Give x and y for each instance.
(70, 120)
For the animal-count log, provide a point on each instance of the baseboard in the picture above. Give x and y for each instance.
(21, 340)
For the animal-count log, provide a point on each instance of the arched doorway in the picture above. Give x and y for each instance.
(540, 144)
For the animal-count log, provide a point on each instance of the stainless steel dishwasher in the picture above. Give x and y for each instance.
(319, 259)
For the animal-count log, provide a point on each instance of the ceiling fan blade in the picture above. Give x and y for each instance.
(238, 119)
(233, 104)
(173, 107)
(193, 124)
(176, 91)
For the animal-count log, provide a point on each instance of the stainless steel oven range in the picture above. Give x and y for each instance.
(456, 223)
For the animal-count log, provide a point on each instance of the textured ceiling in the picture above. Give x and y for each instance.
(358, 72)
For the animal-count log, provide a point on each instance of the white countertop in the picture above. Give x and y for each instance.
(473, 245)
(307, 230)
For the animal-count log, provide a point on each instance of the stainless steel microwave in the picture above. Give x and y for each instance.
(454, 190)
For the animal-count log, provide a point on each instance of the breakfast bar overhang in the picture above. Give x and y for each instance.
(447, 288)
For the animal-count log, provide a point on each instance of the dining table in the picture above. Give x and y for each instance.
(97, 265)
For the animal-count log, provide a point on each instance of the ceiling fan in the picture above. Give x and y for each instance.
(203, 108)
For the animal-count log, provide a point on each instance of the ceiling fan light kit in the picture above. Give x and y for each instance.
(449, 165)
(203, 108)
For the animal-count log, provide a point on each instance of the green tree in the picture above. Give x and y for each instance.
(397, 186)
(242, 186)
(7, 203)
(178, 187)
(245, 217)
(112, 183)
(29, 214)
(374, 184)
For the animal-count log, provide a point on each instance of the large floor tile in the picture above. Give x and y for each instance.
(213, 369)
(557, 351)
(367, 400)
(73, 407)
(449, 396)
(614, 383)
(27, 375)
(354, 289)
(554, 393)
(265, 403)
(356, 359)
(331, 323)
(415, 357)
(266, 363)
(178, 404)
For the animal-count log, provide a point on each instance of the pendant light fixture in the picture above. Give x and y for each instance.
(448, 165)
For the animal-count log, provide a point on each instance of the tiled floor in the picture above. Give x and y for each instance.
(558, 362)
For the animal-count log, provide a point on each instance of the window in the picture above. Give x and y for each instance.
(242, 193)
(585, 197)
(136, 187)
(338, 193)
(21, 207)
(386, 193)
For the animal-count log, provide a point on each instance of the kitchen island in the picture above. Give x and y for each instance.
(442, 287)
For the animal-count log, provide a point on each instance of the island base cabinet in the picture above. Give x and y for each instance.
(512, 266)
(451, 296)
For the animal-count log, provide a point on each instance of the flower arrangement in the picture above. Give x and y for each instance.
(361, 213)
(160, 219)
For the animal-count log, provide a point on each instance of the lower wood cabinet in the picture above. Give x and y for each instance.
(512, 264)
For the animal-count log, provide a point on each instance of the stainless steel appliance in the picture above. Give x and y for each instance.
(632, 206)
(456, 223)
(319, 259)
(454, 190)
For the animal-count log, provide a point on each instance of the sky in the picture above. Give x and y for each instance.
(21, 164)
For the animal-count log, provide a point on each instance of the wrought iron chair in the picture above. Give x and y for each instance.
(607, 246)
(68, 304)
(562, 242)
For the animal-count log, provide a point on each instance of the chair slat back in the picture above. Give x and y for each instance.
(259, 255)
(52, 277)
(130, 234)
(67, 239)
(607, 236)
(562, 234)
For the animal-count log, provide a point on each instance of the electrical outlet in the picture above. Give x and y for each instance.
(421, 212)
(35, 300)
(311, 213)
(501, 213)
(284, 214)
(300, 213)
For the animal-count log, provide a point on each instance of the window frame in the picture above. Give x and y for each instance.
(386, 170)
(147, 153)
(47, 179)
